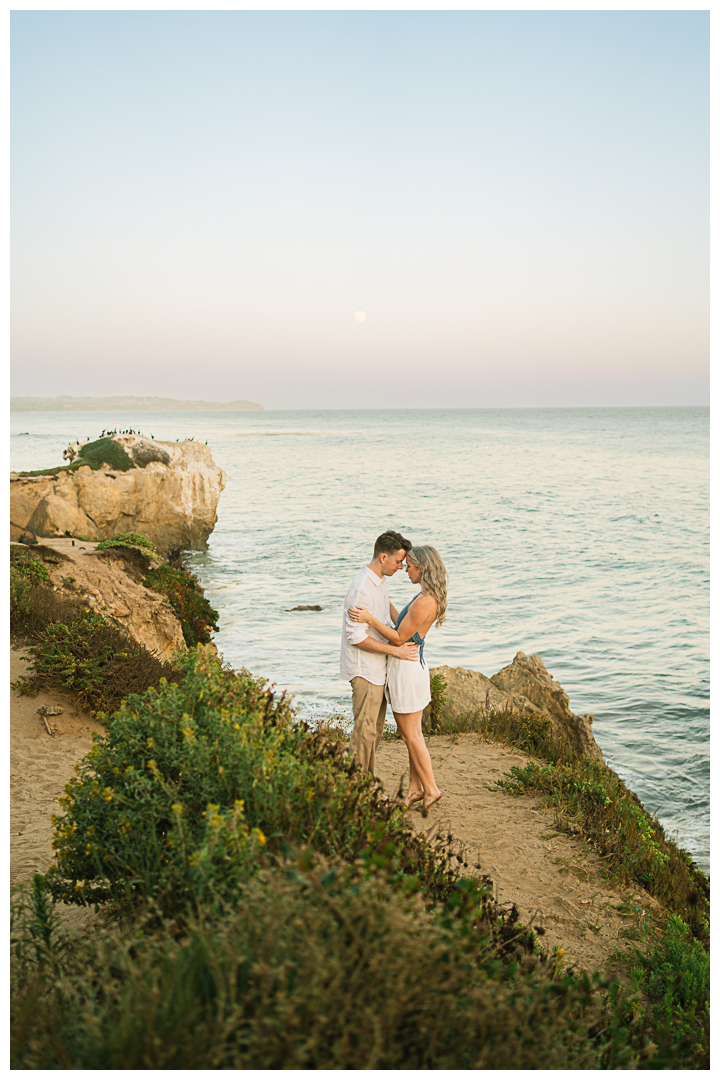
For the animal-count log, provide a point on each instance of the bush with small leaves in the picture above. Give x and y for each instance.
(197, 617)
(314, 965)
(189, 773)
(104, 451)
(129, 539)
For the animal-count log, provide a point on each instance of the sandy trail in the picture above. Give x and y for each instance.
(40, 767)
(555, 880)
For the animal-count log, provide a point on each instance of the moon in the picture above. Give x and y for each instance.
(360, 316)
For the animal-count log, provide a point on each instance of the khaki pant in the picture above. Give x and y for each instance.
(369, 706)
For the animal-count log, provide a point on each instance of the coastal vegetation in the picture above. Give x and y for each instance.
(438, 697)
(126, 540)
(73, 646)
(197, 618)
(275, 914)
(263, 908)
(105, 451)
(591, 799)
(99, 452)
(592, 802)
(173, 580)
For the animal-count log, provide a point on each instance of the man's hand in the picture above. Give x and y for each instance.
(406, 652)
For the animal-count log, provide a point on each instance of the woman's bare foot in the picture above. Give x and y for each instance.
(413, 797)
(430, 800)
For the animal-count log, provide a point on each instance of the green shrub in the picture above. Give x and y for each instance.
(312, 967)
(196, 616)
(29, 580)
(438, 697)
(28, 565)
(126, 540)
(292, 920)
(104, 452)
(20, 595)
(674, 976)
(54, 471)
(532, 733)
(182, 769)
(677, 969)
(34, 607)
(75, 648)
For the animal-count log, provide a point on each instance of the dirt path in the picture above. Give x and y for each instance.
(555, 880)
(40, 766)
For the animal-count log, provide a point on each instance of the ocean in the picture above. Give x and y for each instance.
(578, 534)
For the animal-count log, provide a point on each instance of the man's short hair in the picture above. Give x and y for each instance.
(389, 542)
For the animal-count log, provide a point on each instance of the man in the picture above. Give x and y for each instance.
(363, 652)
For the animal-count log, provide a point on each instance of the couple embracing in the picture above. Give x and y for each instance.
(382, 655)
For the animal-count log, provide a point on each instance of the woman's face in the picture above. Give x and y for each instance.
(412, 571)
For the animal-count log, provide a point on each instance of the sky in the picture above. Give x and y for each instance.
(361, 209)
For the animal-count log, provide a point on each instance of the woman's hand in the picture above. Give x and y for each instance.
(359, 614)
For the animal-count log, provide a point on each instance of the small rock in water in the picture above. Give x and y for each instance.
(305, 607)
(50, 710)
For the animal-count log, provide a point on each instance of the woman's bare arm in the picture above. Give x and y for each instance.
(420, 615)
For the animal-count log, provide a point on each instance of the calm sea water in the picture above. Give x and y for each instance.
(578, 534)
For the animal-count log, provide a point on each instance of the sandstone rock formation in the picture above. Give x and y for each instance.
(526, 687)
(111, 584)
(171, 499)
(468, 692)
(527, 681)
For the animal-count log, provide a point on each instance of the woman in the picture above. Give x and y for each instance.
(408, 682)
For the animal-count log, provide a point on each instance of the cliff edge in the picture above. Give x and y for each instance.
(168, 492)
(525, 686)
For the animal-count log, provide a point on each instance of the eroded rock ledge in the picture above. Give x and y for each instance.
(111, 583)
(172, 500)
(526, 687)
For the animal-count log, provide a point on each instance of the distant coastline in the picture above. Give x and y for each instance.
(121, 404)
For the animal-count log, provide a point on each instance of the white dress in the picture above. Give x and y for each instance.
(408, 681)
(408, 685)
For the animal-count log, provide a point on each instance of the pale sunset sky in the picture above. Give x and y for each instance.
(362, 209)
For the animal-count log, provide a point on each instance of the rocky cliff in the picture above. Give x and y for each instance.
(111, 583)
(170, 496)
(526, 687)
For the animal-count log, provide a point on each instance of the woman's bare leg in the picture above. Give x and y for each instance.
(414, 783)
(421, 772)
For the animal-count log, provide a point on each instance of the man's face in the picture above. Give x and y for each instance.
(390, 564)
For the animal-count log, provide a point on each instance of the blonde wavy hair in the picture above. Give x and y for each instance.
(434, 576)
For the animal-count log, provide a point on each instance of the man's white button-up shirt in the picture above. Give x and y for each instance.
(371, 591)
